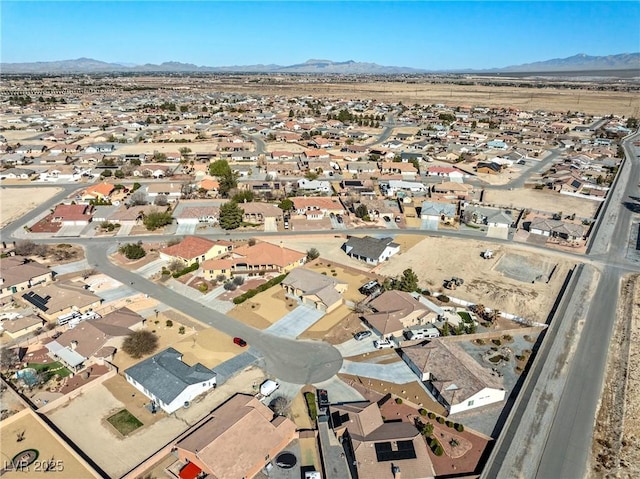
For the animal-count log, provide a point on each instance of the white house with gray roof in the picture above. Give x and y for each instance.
(370, 250)
(165, 379)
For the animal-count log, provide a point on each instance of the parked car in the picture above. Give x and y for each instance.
(339, 218)
(360, 335)
(387, 219)
(370, 288)
(240, 342)
(398, 219)
(383, 344)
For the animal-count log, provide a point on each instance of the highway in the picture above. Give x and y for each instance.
(550, 431)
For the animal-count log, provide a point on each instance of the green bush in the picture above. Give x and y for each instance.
(458, 427)
(423, 412)
(438, 451)
(440, 419)
(444, 298)
(188, 269)
(449, 423)
(431, 415)
(398, 400)
(263, 287)
(181, 330)
(132, 251)
(311, 404)
(169, 323)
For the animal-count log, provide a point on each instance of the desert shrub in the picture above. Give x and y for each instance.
(169, 323)
(458, 427)
(263, 287)
(139, 343)
(431, 415)
(449, 423)
(132, 251)
(507, 337)
(187, 270)
(202, 287)
(440, 419)
(444, 298)
(398, 400)
(497, 342)
(181, 330)
(423, 412)
(238, 280)
(230, 286)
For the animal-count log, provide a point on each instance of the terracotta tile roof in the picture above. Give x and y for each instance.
(189, 248)
(72, 212)
(103, 189)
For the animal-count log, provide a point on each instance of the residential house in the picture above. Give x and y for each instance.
(436, 212)
(194, 215)
(194, 249)
(318, 290)
(61, 298)
(393, 311)
(315, 208)
(490, 167)
(17, 327)
(256, 212)
(407, 170)
(171, 191)
(381, 450)
(17, 174)
(18, 273)
(455, 379)
(209, 185)
(253, 260)
(169, 382)
(370, 250)
(446, 171)
(451, 190)
(235, 441)
(130, 215)
(494, 217)
(316, 186)
(76, 215)
(556, 228)
(101, 192)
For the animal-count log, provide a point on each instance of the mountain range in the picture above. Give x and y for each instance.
(580, 62)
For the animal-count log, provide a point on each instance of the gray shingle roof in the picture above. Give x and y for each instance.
(367, 247)
(166, 376)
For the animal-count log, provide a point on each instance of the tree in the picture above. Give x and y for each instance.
(157, 219)
(408, 281)
(312, 254)
(427, 429)
(219, 168)
(139, 343)
(226, 183)
(361, 211)
(280, 406)
(245, 196)
(311, 175)
(119, 174)
(106, 173)
(184, 150)
(132, 251)
(286, 204)
(230, 216)
(138, 198)
(29, 248)
(161, 200)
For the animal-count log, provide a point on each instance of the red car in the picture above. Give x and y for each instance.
(240, 342)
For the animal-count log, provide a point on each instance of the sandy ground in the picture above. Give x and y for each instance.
(543, 200)
(122, 454)
(433, 262)
(13, 206)
(616, 441)
(329, 248)
(594, 102)
(36, 436)
(353, 277)
(264, 309)
(209, 347)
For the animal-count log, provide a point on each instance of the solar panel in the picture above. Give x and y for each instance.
(37, 301)
(385, 451)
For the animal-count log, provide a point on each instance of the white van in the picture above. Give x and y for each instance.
(422, 333)
(268, 387)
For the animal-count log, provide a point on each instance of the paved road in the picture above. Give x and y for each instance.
(550, 431)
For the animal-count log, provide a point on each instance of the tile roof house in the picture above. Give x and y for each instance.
(315, 208)
(393, 311)
(195, 249)
(72, 214)
(100, 191)
(61, 298)
(454, 378)
(556, 228)
(260, 258)
(370, 250)
(235, 441)
(17, 273)
(169, 382)
(315, 289)
(382, 450)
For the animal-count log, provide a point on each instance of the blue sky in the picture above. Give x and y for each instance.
(421, 34)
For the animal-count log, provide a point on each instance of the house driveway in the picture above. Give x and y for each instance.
(69, 231)
(270, 225)
(398, 372)
(354, 348)
(186, 229)
(149, 269)
(496, 232)
(429, 224)
(125, 230)
(296, 322)
(71, 267)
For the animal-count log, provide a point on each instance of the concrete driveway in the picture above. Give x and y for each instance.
(270, 225)
(398, 373)
(71, 267)
(150, 269)
(294, 323)
(354, 348)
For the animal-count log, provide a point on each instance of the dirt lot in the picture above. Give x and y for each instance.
(594, 102)
(543, 200)
(264, 309)
(616, 441)
(209, 347)
(329, 248)
(433, 262)
(328, 322)
(353, 277)
(13, 206)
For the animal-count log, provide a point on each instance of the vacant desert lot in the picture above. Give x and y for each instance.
(433, 261)
(15, 202)
(554, 99)
(542, 200)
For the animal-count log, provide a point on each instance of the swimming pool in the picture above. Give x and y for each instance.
(28, 375)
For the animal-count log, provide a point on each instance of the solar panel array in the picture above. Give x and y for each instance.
(385, 451)
(38, 301)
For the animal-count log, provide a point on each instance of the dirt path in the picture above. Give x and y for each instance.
(616, 441)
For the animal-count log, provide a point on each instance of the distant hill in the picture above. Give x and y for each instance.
(576, 63)
(88, 65)
(580, 62)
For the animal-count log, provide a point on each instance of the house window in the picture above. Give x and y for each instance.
(470, 403)
(266, 458)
